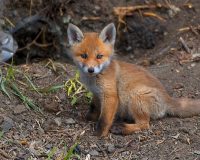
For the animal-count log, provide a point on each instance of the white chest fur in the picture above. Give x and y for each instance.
(90, 82)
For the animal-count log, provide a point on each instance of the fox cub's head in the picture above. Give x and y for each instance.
(92, 52)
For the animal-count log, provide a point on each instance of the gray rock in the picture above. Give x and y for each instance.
(58, 121)
(8, 46)
(97, 7)
(70, 121)
(94, 153)
(49, 146)
(111, 148)
(7, 124)
(19, 109)
(197, 152)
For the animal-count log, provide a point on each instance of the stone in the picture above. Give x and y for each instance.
(197, 152)
(111, 148)
(58, 121)
(7, 124)
(94, 153)
(70, 121)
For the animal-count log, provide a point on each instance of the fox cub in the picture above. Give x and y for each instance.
(120, 89)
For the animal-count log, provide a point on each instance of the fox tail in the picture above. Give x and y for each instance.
(184, 107)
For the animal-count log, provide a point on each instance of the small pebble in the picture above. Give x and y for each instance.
(197, 152)
(7, 124)
(58, 121)
(111, 148)
(94, 153)
(70, 121)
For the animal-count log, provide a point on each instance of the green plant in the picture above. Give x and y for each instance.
(27, 101)
(4, 80)
(1, 134)
(76, 90)
(51, 153)
(8, 85)
(50, 89)
(3, 85)
(32, 85)
(64, 154)
(70, 153)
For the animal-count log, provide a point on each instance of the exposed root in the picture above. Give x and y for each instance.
(121, 12)
(151, 14)
(34, 42)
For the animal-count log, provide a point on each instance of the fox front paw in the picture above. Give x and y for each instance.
(101, 129)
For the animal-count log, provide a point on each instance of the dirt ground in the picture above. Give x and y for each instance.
(146, 40)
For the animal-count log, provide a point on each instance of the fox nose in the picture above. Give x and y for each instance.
(91, 70)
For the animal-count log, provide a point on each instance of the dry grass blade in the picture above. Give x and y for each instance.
(50, 88)
(32, 85)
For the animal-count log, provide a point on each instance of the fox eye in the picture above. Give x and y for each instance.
(84, 56)
(99, 56)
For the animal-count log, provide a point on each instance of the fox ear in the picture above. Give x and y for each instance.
(74, 34)
(108, 34)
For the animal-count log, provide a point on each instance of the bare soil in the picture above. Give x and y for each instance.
(147, 41)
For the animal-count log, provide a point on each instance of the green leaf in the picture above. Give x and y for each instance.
(70, 153)
(32, 85)
(1, 134)
(3, 88)
(51, 89)
(69, 91)
(10, 72)
(73, 101)
(51, 153)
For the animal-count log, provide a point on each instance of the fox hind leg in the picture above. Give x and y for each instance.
(127, 128)
(139, 109)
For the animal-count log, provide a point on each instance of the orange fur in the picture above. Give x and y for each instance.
(124, 89)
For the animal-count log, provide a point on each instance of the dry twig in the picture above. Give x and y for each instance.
(92, 18)
(9, 21)
(151, 14)
(185, 46)
(190, 28)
